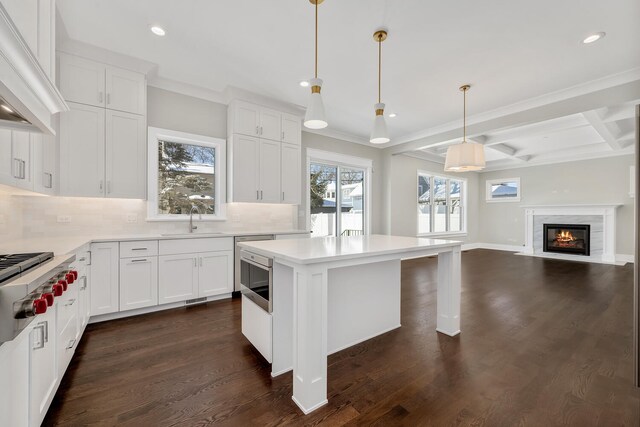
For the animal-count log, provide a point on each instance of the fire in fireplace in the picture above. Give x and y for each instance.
(567, 238)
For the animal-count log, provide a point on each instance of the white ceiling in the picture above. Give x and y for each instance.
(509, 51)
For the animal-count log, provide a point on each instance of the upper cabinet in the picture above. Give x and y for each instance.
(264, 155)
(92, 83)
(103, 137)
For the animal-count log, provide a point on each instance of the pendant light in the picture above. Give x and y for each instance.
(315, 117)
(464, 156)
(379, 134)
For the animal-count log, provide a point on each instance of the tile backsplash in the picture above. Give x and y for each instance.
(25, 216)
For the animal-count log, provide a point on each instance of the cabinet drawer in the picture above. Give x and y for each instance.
(257, 328)
(189, 246)
(142, 248)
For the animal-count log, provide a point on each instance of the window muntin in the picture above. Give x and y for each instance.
(440, 204)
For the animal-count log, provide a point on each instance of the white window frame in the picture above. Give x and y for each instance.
(220, 180)
(343, 160)
(463, 207)
(491, 199)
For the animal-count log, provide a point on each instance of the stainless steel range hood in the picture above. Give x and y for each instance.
(29, 97)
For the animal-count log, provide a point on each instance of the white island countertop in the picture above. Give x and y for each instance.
(323, 249)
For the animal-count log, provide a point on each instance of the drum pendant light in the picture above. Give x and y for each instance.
(464, 156)
(315, 117)
(379, 134)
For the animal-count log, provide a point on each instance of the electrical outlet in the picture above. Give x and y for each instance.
(131, 218)
(64, 219)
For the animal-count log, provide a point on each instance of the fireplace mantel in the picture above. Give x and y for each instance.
(607, 213)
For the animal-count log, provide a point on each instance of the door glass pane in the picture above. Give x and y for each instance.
(351, 202)
(185, 178)
(323, 199)
(424, 204)
(455, 207)
(440, 204)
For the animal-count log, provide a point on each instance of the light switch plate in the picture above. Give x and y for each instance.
(64, 219)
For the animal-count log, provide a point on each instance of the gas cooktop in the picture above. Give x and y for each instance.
(12, 265)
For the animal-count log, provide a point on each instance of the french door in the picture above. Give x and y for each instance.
(337, 199)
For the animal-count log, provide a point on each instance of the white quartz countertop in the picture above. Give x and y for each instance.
(325, 249)
(60, 245)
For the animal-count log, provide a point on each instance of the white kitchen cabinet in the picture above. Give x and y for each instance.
(126, 164)
(291, 173)
(82, 151)
(261, 140)
(94, 83)
(270, 124)
(244, 118)
(82, 80)
(138, 282)
(255, 170)
(67, 326)
(269, 171)
(16, 159)
(177, 277)
(215, 273)
(244, 162)
(102, 153)
(125, 91)
(291, 130)
(35, 20)
(104, 278)
(14, 377)
(45, 161)
(43, 368)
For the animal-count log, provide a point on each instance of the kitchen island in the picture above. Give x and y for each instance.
(330, 293)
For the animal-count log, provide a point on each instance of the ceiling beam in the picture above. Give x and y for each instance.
(602, 128)
(620, 94)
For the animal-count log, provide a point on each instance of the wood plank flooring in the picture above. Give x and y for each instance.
(543, 343)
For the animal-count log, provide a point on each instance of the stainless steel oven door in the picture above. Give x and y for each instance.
(256, 279)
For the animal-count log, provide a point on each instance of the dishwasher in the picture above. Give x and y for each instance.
(236, 258)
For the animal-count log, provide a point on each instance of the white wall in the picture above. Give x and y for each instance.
(604, 180)
(402, 195)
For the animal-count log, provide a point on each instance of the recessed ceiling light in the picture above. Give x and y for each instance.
(7, 109)
(392, 115)
(593, 37)
(158, 31)
(304, 83)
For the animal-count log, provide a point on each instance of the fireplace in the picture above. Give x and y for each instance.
(570, 239)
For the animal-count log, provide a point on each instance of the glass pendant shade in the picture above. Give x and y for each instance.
(379, 135)
(465, 157)
(315, 117)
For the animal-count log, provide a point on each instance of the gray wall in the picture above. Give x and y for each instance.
(171, 110)
(402, 207)
(325, 143)
(604, 180)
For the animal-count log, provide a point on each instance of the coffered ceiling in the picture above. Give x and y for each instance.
(511, 52)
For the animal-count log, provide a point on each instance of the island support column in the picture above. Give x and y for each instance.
(310, 337)
(449, 277)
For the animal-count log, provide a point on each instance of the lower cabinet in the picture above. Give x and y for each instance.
(178, 277)
(138, 282)
(188, 276)
(105, 297)
(43, 368)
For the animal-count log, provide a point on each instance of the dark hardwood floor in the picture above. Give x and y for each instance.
(543, 343)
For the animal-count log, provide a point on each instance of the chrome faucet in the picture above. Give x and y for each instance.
(191, 226)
